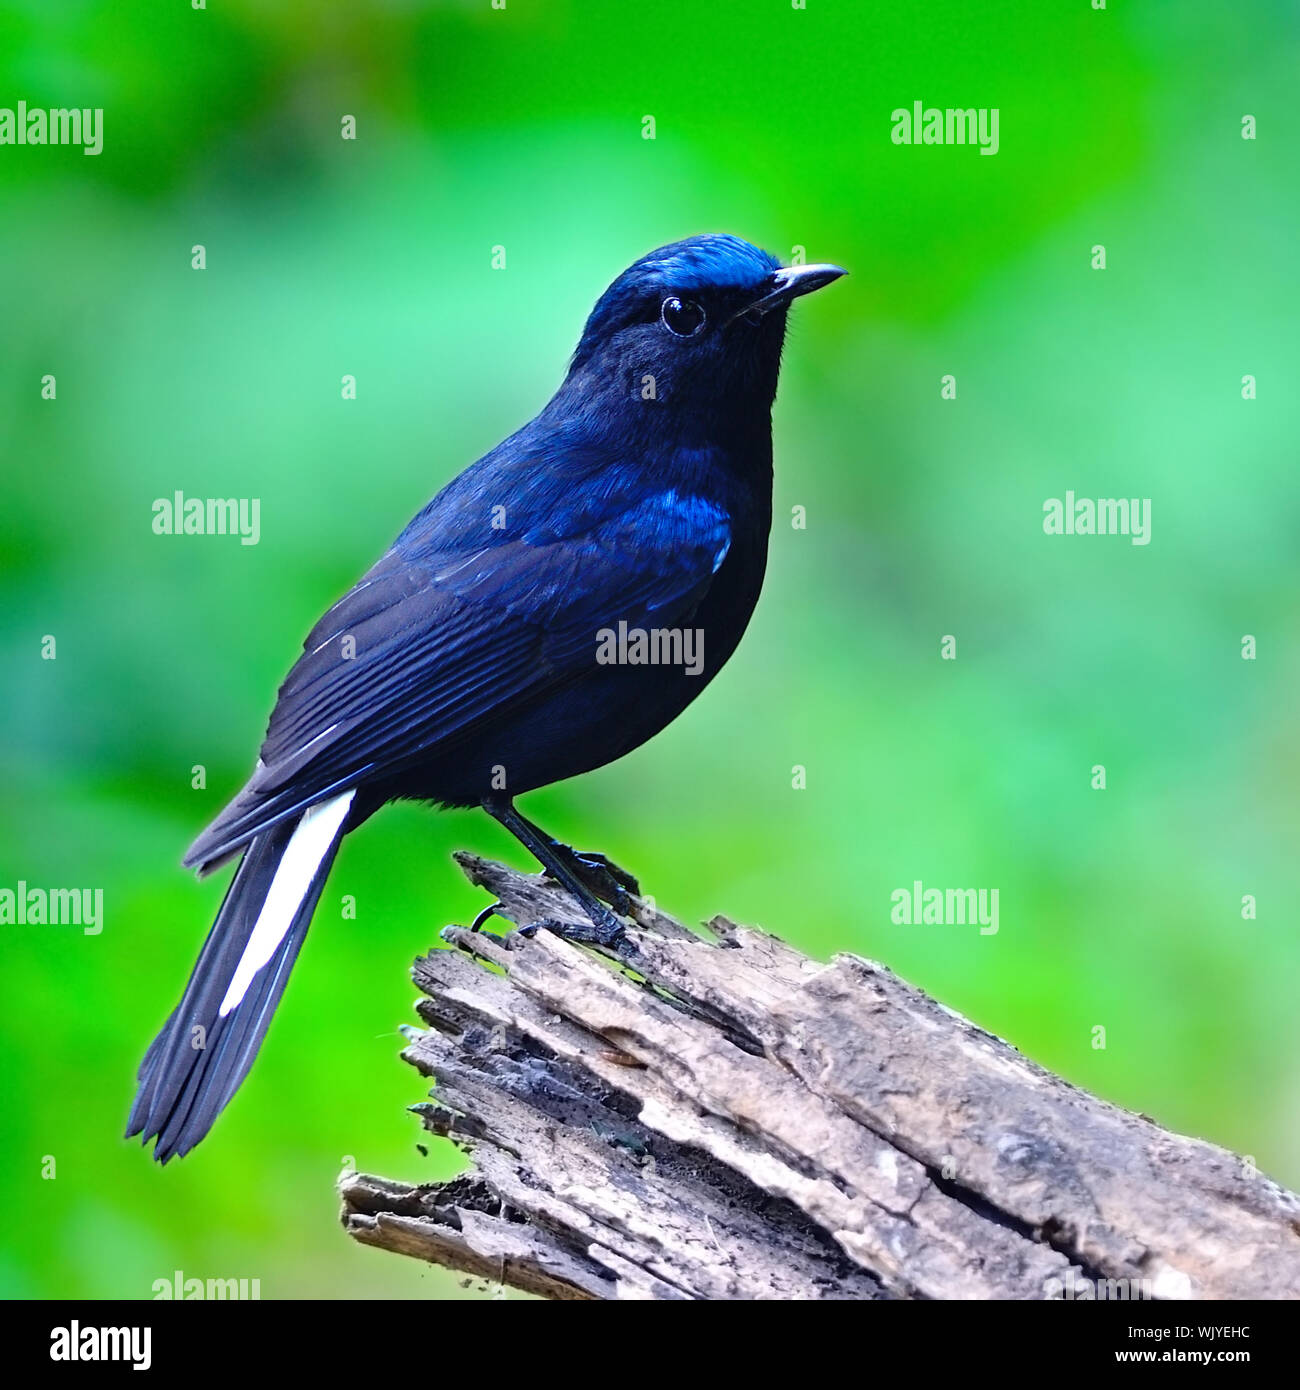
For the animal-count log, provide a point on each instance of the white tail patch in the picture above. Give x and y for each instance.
(308, 845)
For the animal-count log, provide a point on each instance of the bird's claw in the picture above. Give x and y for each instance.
(608, 934)
(485, 916)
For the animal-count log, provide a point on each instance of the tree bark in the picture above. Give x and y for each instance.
(728, 1119)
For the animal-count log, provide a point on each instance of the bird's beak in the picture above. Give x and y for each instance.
(789, 284)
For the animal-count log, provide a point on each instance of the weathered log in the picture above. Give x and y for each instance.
(728, 1119)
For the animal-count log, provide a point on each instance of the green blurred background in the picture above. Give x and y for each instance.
(523, 128)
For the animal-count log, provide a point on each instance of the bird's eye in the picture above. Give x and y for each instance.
(684, 317)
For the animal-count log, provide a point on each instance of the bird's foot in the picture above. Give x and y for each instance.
(609, 932)
(606, 879)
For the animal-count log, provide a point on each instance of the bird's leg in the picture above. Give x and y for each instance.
(605, 878)
(605, 929)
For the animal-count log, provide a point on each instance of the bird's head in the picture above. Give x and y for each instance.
(694, 326)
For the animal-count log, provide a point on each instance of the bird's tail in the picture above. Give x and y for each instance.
(204, 1051)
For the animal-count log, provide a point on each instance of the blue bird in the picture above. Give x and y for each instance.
(552, 608)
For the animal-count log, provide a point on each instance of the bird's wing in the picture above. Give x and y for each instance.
(435, 642)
